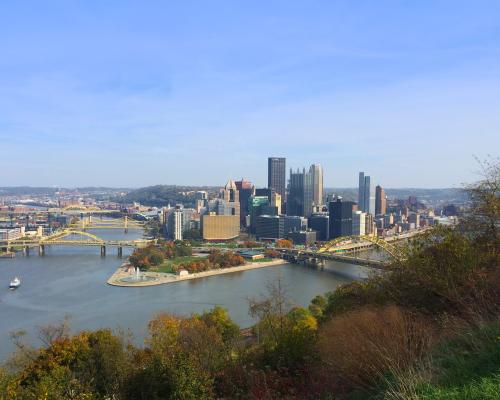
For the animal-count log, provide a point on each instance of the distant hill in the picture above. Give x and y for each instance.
(161, 195)
(29, 190)
(430, 196)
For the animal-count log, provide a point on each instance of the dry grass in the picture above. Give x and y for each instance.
(360, 347)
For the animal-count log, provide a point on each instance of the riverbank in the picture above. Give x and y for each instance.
(159, 278)
(7, 254)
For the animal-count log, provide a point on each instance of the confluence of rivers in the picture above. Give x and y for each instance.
(71, 281)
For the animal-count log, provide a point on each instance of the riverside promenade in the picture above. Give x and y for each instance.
(124, 275)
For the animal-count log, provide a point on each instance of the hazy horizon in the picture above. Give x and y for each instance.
(326, 188)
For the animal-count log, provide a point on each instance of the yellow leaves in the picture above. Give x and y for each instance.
(302, 320)
(163, 332)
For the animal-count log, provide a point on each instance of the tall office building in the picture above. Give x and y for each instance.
(269, 227)
(317, 176)
(380, 201)
(320, 222)
(276, 175)
(366, 194)
(341, 217)
(257, 205)
(358, 223)
(229, 200)
(370, 225)
(220, 227)
(275, 198)
(295, 223)
(361, 191)
(175, 223)
(245, 189)
(300, 196)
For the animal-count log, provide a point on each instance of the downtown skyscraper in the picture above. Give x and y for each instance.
(341, 215)
(317, 177)
(380, 201)
(300, 196)
(366, 194)
(276, 175)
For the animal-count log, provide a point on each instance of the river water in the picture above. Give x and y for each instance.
(71, 281)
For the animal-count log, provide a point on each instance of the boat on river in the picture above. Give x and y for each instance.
(15, 283)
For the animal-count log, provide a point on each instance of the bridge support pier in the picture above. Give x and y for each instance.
(320, 264)
(103, 251)
(120, 251)
(41, 250)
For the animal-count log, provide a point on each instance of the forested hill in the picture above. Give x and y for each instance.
(431, 196)
(161, 195)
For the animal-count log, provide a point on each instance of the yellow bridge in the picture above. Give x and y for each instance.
(356, 243)
(90, 222)
(70, 210)
(72, 237)
(346, 248)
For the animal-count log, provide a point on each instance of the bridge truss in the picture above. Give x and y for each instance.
(389, 248)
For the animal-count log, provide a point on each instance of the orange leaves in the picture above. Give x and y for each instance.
(284, 243)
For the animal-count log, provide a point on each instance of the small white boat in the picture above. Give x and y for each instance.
(15, 283)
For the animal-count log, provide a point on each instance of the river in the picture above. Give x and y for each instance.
(71, 281)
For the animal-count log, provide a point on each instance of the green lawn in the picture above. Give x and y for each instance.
(466, 368)
(229, 245)
(167, 265)
(265, 259)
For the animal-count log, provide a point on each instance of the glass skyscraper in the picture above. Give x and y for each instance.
(341, 217)
(366, 194)
(300, 198)
(276, 175)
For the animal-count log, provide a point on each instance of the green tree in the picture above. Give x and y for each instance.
(284, 333)
(482, 219)
(218, 318)
(90, 365)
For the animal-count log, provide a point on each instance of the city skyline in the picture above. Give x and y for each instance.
(99, 95)
(249, 200)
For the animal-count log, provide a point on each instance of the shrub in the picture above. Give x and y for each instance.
(465, 367)
(360, 347)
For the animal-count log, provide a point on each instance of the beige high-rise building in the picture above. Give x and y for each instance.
(220, 227)
(230, 196)
(370, 226)
(276, 201)
(380, 201)
(317, 176)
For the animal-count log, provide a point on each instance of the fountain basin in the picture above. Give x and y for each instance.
(134, 279)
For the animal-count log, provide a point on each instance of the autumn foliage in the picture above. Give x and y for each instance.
(155, 254)
(284, 243)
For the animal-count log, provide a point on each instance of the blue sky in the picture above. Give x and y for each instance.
(124, 93)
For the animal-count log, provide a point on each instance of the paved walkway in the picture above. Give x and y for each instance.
(160, 278)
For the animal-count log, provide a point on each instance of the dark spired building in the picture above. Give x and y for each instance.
(341, 217)
(276, 175)
(246, 190)
(300, 198)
